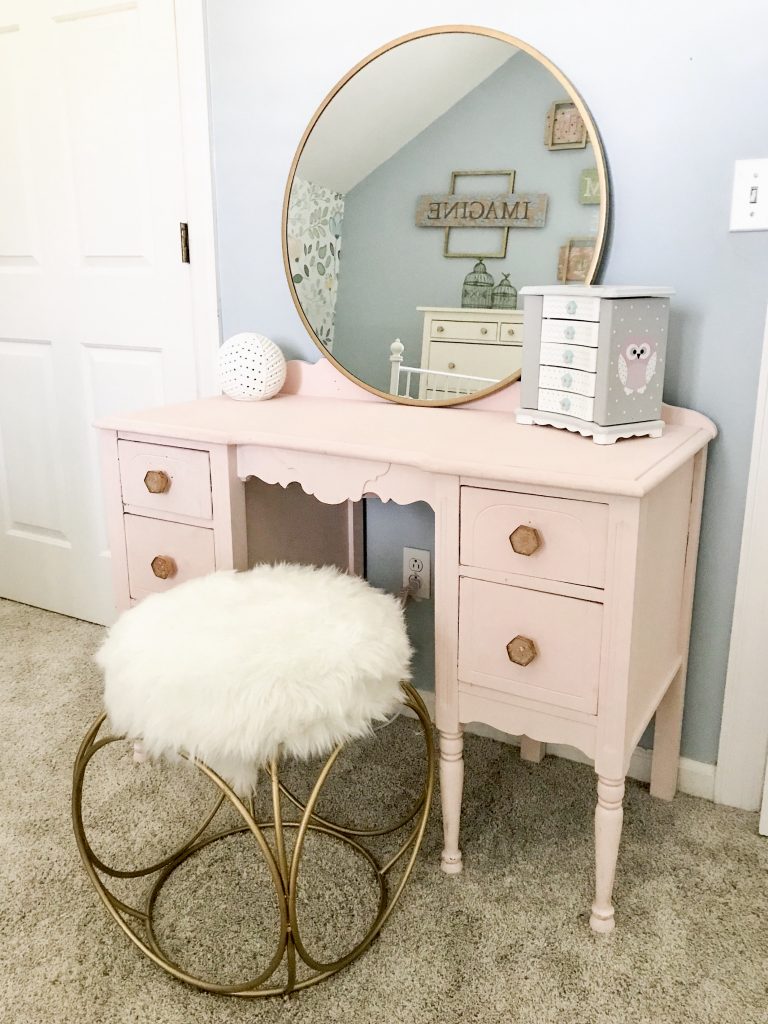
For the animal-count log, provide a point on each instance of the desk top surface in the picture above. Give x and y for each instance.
(472, 441)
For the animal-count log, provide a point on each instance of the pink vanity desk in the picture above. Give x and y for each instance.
(577, 637)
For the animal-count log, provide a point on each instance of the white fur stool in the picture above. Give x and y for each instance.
(237, 672)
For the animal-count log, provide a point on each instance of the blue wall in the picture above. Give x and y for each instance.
(676, 102)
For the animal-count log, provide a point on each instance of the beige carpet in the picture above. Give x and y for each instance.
(507, 941)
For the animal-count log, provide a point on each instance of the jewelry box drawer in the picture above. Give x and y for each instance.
(560, 539)
(577, 381)
(574, 331)
(576, 356)
(162, 554)
(544, 647)
(492, 361)
(464, 330)
(576, 307)
(163, 478)
(571, 405)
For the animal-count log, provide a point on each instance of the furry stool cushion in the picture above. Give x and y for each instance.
(237, 668)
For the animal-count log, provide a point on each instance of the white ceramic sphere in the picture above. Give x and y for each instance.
(251, 367)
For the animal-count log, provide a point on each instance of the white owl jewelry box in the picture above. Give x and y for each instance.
(594, 359)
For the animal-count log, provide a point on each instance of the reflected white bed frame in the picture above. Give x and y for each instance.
(401, 377)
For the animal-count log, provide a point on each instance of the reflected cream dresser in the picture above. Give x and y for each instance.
(479, 342)
(563, 572)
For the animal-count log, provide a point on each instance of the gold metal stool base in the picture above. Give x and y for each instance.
(283, 869)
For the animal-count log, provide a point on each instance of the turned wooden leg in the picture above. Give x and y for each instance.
(666, 740)
(609, 815)
(532, 750)
(451, 788)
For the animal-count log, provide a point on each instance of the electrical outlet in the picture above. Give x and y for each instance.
(416, 572)
(749, 203)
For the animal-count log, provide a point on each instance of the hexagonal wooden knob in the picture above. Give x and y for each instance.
(156, 481)
(521, 650)
(525, 540)
(163, 566)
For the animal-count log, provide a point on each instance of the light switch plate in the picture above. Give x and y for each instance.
(749, 204)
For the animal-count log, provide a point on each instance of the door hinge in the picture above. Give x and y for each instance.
(184, 237)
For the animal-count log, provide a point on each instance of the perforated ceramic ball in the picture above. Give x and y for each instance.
(251, 367)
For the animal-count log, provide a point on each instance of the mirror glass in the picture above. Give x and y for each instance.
(444, 173)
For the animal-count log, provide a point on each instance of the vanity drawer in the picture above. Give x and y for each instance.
(574, 331)
(554, 641)
(572, 405)
(565, 379)
(162, 554)
(577, 356)
(168, 479)
(576, 307)
(512, 333)
(493, 361)
(464, 330)
(569, 543)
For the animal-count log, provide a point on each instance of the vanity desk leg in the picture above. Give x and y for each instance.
(451, 789)
(609, 817)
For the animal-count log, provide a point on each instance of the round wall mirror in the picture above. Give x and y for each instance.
(442, 174)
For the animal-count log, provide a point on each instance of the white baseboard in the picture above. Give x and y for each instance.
(695, 777)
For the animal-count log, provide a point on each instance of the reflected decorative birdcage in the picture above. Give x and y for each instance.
(477, 290)
(504, 295)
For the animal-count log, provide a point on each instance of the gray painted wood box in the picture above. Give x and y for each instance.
(594, 359)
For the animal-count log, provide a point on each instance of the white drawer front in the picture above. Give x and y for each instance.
(576, 307)
(575, 356)
(568, 404)
(512, 333)
(464, 330)
(567, 380)
(574, 332)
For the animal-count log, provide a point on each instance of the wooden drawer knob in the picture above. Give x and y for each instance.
(521, 650)
(163, 566)
(156, 481)
(451, 366)
(483, 330)
(511, 332)
(525, 540)
(439, 329)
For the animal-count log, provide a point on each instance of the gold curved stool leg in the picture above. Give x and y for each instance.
(284, 869)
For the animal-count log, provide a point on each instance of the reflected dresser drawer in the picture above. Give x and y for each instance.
(492, 361)
(162, 554)
(464, 330)
(543, 647)
(559, 539)
(166, 479)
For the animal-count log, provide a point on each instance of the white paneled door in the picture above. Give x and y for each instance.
(95, 306)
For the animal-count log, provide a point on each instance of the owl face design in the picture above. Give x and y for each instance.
(637, 364)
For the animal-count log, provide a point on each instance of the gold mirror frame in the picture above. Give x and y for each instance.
(602, 173)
